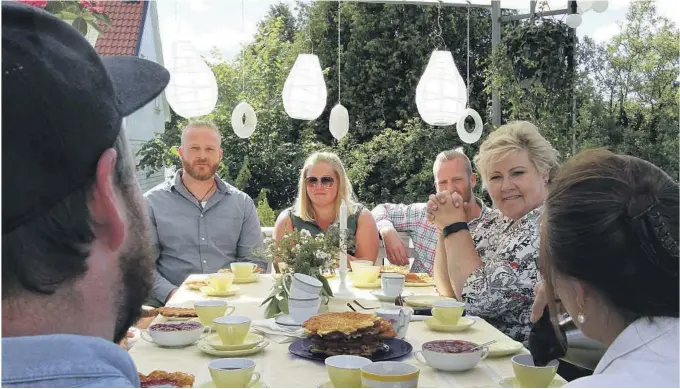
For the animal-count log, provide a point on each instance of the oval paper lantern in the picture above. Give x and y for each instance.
(243, 120)
(304, 92)
(583, 6)
(339, 121)
(574, 20)
(600, 6)
(192, 90)
(470, 137)
(441, 95)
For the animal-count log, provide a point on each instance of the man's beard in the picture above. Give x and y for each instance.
(467, 195)
(136, 266)
(196, 175)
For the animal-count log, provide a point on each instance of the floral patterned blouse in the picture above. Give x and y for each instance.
(502, 290)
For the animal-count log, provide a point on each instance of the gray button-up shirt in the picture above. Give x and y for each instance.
(191, 239)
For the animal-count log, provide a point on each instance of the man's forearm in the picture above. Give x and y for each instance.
(162, 287)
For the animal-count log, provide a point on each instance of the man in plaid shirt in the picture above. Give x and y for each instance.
(453, 172)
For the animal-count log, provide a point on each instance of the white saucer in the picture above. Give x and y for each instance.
(388, 299)
(210, 384)
(511, 382)
(286, 320)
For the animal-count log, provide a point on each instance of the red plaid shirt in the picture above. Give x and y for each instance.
(412, 219)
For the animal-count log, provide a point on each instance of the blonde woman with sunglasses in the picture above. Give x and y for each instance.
(322, 187)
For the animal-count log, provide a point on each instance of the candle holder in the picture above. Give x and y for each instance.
(343, 291)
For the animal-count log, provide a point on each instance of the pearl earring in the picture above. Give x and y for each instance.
(581, 317)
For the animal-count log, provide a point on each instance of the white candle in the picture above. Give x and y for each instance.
(343, 232)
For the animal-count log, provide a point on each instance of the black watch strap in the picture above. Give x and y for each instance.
(455, 227)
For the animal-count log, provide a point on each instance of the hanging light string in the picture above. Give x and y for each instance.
(468, 55)
(243, 51)
(439, 24)
(339, 51)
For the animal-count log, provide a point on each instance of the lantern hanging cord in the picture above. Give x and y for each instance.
(243, 50)
(468, 55)
(339, 50)
(439, 24)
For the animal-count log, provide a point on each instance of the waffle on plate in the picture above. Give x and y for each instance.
(162, 378)
(197, 284)
(394, 269)
(351, 333)
(177, 312)
(418, 278)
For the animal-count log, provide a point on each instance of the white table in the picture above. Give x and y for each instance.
(281, 369)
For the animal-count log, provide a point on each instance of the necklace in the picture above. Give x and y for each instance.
(200, 201)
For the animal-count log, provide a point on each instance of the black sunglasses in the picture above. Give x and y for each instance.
(326, 181)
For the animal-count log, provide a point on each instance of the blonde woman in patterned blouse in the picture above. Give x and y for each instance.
(493, 267)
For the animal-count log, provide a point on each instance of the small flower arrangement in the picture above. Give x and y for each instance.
(300, 252)
(81, 14)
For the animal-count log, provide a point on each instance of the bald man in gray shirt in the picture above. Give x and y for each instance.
(199, 222)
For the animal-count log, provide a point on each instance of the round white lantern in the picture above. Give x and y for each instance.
(192, 90)
(441, 95)
(463, 134)
(583, 6)
(339, 121)
(600, 6)
(243, 120)
(304, 92)
(574, 20)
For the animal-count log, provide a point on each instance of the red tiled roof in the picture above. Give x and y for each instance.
(122, 36)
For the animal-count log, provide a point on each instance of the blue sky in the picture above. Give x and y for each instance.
(220, 24)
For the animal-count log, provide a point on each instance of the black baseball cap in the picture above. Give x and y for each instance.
(62, 107)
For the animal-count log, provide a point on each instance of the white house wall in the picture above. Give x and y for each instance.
(151, 119)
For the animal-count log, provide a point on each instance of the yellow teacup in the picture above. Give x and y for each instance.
(447, 311)
(345, 370)
(243, 269)
(367, 273)
(233, 372)
(232, 329)
(361, 262)
(530, 376)
(389, 375)
(208, 310)
(220, 282)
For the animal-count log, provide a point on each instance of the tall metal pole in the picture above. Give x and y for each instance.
(495, 42)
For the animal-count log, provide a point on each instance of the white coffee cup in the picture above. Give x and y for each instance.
(399, 317)
(302, 285)
(303, 308)
(392, 284)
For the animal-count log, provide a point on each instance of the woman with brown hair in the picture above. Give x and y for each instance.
(609, 253)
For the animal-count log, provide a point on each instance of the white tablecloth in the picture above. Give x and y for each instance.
(281, 369)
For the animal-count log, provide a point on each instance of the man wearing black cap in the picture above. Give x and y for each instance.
(76, 263)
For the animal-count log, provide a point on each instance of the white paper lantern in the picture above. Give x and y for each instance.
(583, 6)
(304, 92)
(192, 90)
(574, 20)
(470, 137)
(441, 95)
(243, 120)
(600, 6)
(339, 121)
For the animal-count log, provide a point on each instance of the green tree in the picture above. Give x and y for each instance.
(628, 103)
(244, 175)
(265, 213)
